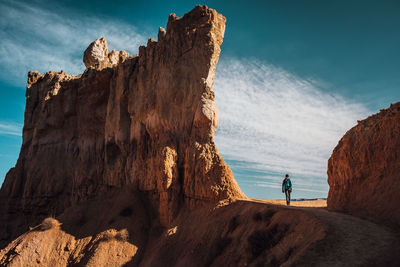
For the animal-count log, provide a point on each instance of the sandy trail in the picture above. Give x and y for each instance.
(349, 241)
(320, 203)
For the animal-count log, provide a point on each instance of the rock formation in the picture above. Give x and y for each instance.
(145, 122)
(364, 169)
(118, 168)
(96, 55)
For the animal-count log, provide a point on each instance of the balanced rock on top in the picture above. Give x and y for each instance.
(96, 56)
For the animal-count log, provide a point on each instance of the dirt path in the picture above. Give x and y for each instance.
(349, 241)
(320, 203)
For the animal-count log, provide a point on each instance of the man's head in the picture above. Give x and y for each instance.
(287, 176)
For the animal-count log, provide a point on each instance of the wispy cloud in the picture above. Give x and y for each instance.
(269, 119)
(279, 122)
(10, 129)
(33, 38)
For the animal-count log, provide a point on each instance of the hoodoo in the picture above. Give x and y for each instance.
(145, 122)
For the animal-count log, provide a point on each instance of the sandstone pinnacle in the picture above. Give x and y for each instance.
(145, 122)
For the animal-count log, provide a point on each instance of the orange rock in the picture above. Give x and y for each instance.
(123, 157)
(364, 169)
(146, 122)
(96, 56)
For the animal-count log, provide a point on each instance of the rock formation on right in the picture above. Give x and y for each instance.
(364, 169)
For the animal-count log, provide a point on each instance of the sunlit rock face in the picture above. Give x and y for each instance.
(146, 122)
(96, 56)
(364, 169)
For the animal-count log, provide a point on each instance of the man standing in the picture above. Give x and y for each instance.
(287, 188)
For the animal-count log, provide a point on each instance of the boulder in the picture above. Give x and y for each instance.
(96, 56)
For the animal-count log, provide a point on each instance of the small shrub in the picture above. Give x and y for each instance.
(218, 248)
(49, 223)
(261, 240)
(268, 215)
(126, 212)
(82, 220)
(122, 235)
(108, 235)
(257, 217)
(233, 224)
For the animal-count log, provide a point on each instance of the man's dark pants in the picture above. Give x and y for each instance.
(287, 193)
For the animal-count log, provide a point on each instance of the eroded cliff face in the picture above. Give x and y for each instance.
(145, 122)
(364, 169)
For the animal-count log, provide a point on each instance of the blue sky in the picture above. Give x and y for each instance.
(293, 76)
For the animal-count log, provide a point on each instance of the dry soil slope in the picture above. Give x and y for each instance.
(243, 233)
(348, 241)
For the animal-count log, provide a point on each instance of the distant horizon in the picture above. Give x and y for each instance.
(292, 78)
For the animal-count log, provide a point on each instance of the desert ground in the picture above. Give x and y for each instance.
(349, 241)
(317, 203)
(247, 232)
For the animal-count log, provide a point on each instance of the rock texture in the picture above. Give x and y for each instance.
(54, 247)
(96, 56)
(364, 169)
(144, 122)
(118, 168)
(244, 233)
(240, 234)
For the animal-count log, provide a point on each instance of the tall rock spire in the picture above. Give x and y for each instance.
(146, 122)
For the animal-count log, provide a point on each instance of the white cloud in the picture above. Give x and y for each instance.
(33, 38)
(10, 129)
(279, 122)
(269, 118)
